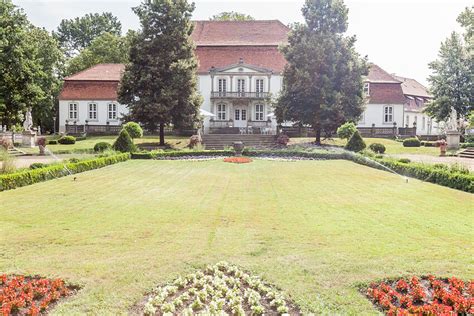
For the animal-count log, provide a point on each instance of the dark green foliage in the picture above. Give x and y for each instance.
(78, 139)
(429, 144)
(231, 16)
(27, 177)
(102, 146)
(76, 34)
(322, 88)
(124, 142)
(37, 165)
(411, 142)
(133, 129)
(346, 130)
(355, 143)
(165, 91)
(467, 145)
(74, 160)
(52, 142)
(404, 160)
(67, 140)
(377, 148)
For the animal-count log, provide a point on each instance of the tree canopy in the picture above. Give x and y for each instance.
(30, 60)
(322, 82)
(165, 90)
(106, 48)
(76, 34)
(451, 79)
(231, 16)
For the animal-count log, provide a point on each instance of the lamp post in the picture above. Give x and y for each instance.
(54, 125)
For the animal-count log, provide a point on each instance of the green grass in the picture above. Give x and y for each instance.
(174, 141)
(392, 146)
(316, 229)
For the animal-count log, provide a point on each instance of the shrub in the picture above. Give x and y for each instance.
(133, 129)
(124, 142)
(411, 142)
(346, 130)
(80, 138)
(355, 143)
(283, 139)
(8, 162)
(27, 177)
(52, 142)
(74, 160)
(467, 145)
(37, 165)
(404, 160)
(102, 146)
(377, 148)
(67, 140)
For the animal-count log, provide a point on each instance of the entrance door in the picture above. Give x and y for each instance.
(240, 116)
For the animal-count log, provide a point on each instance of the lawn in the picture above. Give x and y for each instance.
(176, 142)
(392, 146)
(315, 229)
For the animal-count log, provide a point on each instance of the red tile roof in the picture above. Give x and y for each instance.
(263, 57)
(102, 72)
(89, 90)
(377, 74)
(386, 93)
(240, 33)
(413, 88)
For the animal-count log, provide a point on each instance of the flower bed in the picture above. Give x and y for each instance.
(425, 296)
(20, 295)
(219, 289)
(237, 159)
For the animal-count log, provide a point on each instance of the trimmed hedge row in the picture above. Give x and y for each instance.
(429, 173)
(27, 177)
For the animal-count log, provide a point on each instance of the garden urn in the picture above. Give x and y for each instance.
(238, 148)
(442, 148)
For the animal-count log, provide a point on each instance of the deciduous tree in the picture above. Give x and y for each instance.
(323, 80)
(78, 33)
(231, 16)
(159, 84)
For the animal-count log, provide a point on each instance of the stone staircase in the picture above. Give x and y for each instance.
(220, 141)
(13, 151)
(467, 153)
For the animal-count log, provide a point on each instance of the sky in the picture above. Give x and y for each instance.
(401, 36)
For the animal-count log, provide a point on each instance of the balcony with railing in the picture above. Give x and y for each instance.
(239, 95)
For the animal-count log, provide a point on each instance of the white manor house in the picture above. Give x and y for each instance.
(240, 69)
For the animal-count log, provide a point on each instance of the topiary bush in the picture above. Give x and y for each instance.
(67, 140)
(404, 160)
(411, 142)
(124, 142)
(346, 130)
(52, 142)
(377, 148)
(133, 129)
(102, 146)
(355, 143)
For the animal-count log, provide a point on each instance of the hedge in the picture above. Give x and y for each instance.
(429, 173)
(27, 177)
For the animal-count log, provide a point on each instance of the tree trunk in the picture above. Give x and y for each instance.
(317, 125)
(162, 134)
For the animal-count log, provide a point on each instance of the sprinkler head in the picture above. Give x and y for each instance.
(74, 179)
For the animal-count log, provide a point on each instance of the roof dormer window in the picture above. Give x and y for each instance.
(367, 89)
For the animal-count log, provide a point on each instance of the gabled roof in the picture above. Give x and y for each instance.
(377, 74)
(99, 72)
(268, 58)
(89, 90)
(240, 33)
(413, 88)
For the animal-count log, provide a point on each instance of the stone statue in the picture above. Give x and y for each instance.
(28, 123)
(453, 121)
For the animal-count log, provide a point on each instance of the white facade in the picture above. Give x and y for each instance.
(95, 112)
(425, 125)
(237, 95)
(382, 115)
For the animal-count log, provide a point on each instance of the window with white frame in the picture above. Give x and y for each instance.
(222, 86)
(221, 112)
(423, 124)
(367, 89)
(92, 113)
(259, 86)
(73, 111)
(241, 86)
(112, 111)
(388, 114)
(259, 112)
(415, 123)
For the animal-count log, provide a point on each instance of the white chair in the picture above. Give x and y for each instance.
(249, 130)
(242, 130)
